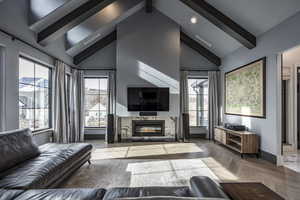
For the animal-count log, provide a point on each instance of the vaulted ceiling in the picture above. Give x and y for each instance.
(222, 25)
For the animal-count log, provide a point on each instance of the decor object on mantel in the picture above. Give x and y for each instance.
(244, 142)
(245, 90)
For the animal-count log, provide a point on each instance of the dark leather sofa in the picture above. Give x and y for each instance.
(200, 188)
(28, 172)
(25, 166)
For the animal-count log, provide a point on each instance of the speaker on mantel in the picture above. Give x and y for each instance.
(110, 134)
(185, 126)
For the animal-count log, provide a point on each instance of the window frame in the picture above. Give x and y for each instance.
(95, 77)
(197, 110)
(50, 75)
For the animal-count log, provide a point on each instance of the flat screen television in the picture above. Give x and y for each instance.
(148, 99)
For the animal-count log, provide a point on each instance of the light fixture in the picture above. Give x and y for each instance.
(204, 41)
(194, 20)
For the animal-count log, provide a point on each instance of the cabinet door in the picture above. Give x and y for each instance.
(220, 136)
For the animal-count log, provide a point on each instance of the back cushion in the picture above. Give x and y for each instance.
(16, 147)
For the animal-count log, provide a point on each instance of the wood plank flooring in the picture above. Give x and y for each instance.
(172, 164)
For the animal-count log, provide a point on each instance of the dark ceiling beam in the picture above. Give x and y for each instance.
(95, 47)
(149, 6)
(200, 49)
(223, 22)
(71, 20)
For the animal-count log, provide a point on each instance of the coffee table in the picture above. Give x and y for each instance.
(249, 191)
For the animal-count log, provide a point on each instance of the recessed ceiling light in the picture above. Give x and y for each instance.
(194, 20)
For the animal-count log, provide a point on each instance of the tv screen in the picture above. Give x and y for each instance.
(148, 99)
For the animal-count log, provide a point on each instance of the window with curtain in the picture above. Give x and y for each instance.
(198, 101)
(34, 95)
(96, 100)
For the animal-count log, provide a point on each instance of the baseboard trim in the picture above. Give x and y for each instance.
(268, 157)
(94, 136)
(201, 136)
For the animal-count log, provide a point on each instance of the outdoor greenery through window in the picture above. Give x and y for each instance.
(34, 95)
(96, 97)
(198, 101)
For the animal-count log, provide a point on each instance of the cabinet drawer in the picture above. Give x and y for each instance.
(220, 136)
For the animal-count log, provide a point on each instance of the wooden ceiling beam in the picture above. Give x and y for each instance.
(223, 22)
(71, 20)
(149, 6)
(95, 47)
(200, 49)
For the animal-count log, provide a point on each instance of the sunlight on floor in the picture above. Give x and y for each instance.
(145, 150)
(170, 172)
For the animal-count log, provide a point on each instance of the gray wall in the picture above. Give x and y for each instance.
(278, 39)
(148, 54)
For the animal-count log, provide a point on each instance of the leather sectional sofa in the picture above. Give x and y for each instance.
(29, 172)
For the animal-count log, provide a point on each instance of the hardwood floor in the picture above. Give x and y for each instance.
(172, 164)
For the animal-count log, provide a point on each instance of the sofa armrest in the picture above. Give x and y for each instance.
(202, 186)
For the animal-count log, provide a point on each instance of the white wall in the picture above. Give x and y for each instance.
(148, 54)
(278, 39)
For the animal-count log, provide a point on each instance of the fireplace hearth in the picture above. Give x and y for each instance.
(148, 128)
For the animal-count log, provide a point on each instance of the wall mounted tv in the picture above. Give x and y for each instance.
(148, 99)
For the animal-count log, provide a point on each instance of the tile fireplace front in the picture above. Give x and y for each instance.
(149, 128)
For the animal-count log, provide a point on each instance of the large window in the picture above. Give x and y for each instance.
(198, 101)
(34, 95)
(96, 97)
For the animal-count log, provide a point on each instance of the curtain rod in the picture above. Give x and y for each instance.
(13, 37)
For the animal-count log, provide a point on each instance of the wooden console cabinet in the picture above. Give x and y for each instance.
(244, 142)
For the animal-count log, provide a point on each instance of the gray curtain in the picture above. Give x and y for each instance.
(111, 107)
(213, 106)
(76, 107)
(184, 100)
(61, 114)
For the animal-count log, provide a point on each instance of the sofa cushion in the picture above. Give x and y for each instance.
(54, 161)
(202, 186)
(115, 193)
(62, 194)
(9, 194)
(169, 198)
(16, 147)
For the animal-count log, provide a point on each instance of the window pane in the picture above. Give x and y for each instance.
(103, 85)
(92, 118)
(103, 102)
(103, 119)
(33, 100)
(193, 118)
(92, 102)
(26, 118)
(41, 118)
(192, 102)
(26, 96)
(92, 86)
(26, 72)
(198, 101)
(96, 102)
(41, 76)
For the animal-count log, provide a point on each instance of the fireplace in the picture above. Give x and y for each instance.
(148, 128)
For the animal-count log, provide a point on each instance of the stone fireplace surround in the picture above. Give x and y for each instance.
(125, 129)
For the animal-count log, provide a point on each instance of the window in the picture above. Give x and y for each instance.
(34, 95)
(96, 97)
(198, 101)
